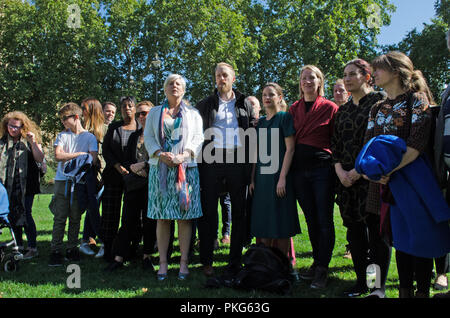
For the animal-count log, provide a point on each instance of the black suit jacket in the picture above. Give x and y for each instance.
(208, 108)
(113, 152)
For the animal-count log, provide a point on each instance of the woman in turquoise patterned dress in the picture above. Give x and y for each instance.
(173, 137)
(274, 209)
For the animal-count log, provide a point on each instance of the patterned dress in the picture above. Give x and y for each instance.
(346, 143)
(409, 117)
(167, 207)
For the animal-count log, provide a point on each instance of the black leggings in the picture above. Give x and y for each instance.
(367, 247)
(442, 264)
(412, 268)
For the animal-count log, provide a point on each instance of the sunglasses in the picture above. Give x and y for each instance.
(142, 113)
(64, 118)
(14, 127)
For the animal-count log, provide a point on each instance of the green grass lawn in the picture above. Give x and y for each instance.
(36, 279)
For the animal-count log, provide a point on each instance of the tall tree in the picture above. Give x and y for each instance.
(57, 51)
(428, 49)
(192, 36)
(51, 52)
(320, 32)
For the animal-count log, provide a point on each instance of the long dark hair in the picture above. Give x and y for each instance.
(364, 67)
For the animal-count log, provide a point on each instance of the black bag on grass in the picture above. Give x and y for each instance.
(265, 268)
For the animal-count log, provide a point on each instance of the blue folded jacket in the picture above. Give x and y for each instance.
(4, 203)
(75, 171)
(420, 214)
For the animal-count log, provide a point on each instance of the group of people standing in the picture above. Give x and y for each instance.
(156, 159)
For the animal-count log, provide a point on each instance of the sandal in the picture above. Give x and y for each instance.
(161, 276)
(183, 276)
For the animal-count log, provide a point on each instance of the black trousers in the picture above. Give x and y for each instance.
(135, 222)
(412, 267)
(315, 193)
(212, 177)
(368, 247)
(110, 220)
(442, 264)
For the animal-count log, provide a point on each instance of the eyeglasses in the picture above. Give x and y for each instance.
(142, 113)
(64, 118)
(14, 127)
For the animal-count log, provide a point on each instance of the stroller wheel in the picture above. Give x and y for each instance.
(9, 264)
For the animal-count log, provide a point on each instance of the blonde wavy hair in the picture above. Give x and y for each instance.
(94, 119)
(319, 74)
(145, 103)
(27, 125)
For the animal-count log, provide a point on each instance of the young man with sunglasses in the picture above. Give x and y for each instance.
(69, 144)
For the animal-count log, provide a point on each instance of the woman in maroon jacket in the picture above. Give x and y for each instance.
(313, 173)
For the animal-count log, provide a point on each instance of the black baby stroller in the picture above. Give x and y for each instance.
(9, 261)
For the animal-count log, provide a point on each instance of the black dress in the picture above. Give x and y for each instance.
(346, 143)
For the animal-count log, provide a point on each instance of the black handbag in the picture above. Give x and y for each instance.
(133, 182)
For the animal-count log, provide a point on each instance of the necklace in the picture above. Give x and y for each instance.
(174, 112)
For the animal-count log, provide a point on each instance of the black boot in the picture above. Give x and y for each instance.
(406, 293)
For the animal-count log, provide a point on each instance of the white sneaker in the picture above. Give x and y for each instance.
(101, 252)
(85, 249)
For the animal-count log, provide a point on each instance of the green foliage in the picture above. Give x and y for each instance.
(44, 62)
(443, 10)
(428, 50)
(324, 33)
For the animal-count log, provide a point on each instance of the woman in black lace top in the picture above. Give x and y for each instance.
(346, 143)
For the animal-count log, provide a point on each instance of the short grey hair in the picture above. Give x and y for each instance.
(247, 100)
(174, 77)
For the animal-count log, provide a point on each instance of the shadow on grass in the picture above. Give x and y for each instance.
(43, 232)
(133, 281)
(129, 281)
(304, 255)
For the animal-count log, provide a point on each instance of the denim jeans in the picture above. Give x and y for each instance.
(314, 190)
(30, 227)
(225, 204)
(87, 200)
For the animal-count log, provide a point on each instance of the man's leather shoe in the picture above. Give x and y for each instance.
(208, 270)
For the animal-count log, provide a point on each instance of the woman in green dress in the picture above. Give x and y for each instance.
(274, 210)
(173, 137)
